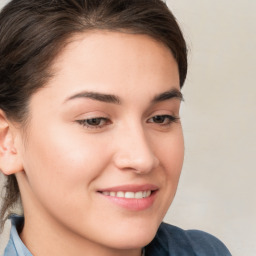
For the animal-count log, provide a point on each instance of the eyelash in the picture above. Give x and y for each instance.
(85, 122)
(98, 121)
(170, 119)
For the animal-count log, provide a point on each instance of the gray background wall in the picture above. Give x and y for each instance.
(217, 186)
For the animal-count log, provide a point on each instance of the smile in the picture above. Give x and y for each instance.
(131, 197)
(128, 194)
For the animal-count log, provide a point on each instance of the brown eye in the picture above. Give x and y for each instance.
(97, 122)
(159, 119)
(94, 121)
(163, 119)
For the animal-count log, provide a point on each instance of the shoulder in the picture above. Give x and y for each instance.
(10, 249)
(15, 246)
(171, 240)
(206, 244)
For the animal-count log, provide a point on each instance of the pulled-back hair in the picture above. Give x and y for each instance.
(33, 32)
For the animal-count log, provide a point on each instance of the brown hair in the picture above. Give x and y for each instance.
(33, 32)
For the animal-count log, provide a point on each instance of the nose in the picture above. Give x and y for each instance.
(135, 153)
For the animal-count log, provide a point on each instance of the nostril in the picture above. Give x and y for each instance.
(140, 163)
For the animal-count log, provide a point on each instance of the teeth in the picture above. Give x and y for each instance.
(128, 194)
(120, 194)
(139, 195)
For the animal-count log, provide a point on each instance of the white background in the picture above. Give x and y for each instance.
(217, 190)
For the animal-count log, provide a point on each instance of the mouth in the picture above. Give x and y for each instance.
(131, 197)
(128, 194)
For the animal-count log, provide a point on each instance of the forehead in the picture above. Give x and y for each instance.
(111, 61)
(112, 41)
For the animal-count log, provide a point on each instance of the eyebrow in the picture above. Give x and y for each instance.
(110, 98)
(173, 93)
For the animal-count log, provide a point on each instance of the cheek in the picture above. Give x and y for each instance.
(171, 154)
(62, 163)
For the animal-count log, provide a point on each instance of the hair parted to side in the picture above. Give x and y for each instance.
(33, 32)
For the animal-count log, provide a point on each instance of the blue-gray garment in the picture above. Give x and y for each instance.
(15, 247)
(169, 241)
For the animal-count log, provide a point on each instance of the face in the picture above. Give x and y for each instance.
(104, 146)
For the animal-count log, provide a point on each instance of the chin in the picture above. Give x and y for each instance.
(136, 237)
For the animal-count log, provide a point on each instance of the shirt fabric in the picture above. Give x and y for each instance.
(169, 241)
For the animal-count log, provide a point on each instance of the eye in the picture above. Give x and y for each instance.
(95, 122)
(163, 119)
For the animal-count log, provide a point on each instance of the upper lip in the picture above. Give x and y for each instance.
(131, 188)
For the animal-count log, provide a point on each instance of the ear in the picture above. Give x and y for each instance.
(10, 161)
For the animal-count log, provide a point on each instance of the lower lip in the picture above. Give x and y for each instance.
(133, 204)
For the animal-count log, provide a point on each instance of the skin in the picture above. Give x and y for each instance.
(62, 163)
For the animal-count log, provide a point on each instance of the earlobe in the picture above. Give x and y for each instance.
(10, 161)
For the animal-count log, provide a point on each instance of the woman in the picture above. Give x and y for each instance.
(89, 125)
